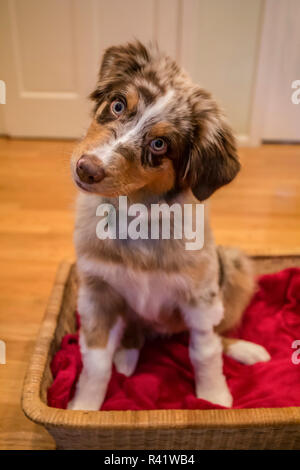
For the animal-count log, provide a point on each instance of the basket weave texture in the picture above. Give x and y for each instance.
(260, 428)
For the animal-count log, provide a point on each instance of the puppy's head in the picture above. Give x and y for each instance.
(152, 130)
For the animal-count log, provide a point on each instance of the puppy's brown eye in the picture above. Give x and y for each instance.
(158, 146)
(117, 107)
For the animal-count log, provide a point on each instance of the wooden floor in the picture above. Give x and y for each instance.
(260, 212)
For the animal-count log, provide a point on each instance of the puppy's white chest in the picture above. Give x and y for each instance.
(146, 292)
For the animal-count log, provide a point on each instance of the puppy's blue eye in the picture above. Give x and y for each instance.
(117, 107)
(158, 146)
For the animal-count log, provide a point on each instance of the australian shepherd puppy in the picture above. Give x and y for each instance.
(155, 137)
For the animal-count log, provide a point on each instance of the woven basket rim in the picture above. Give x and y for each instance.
(39, 412)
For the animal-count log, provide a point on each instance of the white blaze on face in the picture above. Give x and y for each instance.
(105, 152)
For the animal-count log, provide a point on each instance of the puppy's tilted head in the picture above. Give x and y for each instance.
(153, 130)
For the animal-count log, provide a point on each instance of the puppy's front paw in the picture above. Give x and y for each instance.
(219, 395)
(248, 353)
(84, 403)
(88, 396)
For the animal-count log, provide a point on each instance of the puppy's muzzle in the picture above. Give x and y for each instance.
(89, 169)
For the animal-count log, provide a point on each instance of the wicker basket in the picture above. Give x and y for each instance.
(263, 428)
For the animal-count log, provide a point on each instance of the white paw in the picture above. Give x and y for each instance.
(89, 394)
(126, 360)
(218, 395)
(84, 403)
(248, 353)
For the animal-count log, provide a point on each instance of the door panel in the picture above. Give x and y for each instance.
(275, 116)
(52, 53)
(44, 45)
(282, 119)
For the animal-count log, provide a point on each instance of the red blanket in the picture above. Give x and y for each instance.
(164, 375)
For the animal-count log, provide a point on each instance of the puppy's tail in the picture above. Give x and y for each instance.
(236, 278)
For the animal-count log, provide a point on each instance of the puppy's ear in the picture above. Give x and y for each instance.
(119, 63)
(212, 160)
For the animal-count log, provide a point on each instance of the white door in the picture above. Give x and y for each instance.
(50, 52)
(276, 110)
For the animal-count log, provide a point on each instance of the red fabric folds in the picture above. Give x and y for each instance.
(164, 376)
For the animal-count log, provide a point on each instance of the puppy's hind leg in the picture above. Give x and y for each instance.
(237, 287)
(126, 360)
(245, 352)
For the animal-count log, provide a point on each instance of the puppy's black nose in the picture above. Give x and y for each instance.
(89, 169)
